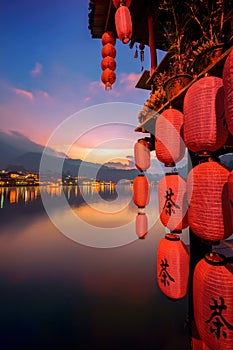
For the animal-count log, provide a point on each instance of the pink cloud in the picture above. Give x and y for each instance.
(37, 69)
(87, 99)
(129, 80)
(44, 94)
(24, 93)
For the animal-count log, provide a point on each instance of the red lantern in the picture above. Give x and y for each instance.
(108, 50)
(173, 203)
(204, 120)
(169, 147)
(198, 344)
(228, 87)
(108, 77)
(230, 197)
(141, 225)
(141, 194)
(108, 38)
(207, 197)
(116, 3)
(123, 24)
(213, 301)
(108, 62)
(172, 267)
(142, 155)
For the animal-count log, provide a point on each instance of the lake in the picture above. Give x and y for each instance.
(68, 290)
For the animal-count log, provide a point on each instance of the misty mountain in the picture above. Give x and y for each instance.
(14, 144)
(73, 167)
(20, 153)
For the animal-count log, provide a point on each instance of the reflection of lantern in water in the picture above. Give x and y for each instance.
(141, 194)
(207, 197)
(228, 88)
(213, 301)
(141, 225)
(142, 155)
(172, 266)
(123, 24)
(172, 202)
(204, 119)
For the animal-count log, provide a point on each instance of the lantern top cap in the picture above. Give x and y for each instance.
(172, 237)
(215, 259)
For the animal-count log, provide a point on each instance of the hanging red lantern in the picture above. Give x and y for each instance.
(172, 267)
(173, 203)
(169, 147)
(108, 62)
(108, 50)
(123, 24)
(141, 225)
(204, 119)
(228, 88)
(213, 301)
(108, 77)
(141, 194)
(198, 344)
(108, 38)
(207, 197)
(117, 3)
(230, 197)
(142, 155)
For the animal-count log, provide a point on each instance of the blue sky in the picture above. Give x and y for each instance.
(50, 67)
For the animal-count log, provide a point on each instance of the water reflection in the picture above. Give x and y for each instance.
(57, 294)
(14, 195)
(18, 194)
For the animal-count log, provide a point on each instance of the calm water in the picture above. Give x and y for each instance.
(59, 294)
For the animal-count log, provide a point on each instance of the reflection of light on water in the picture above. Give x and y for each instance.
(52, 190)
(13, 195)
(121, 213)
(107, 206)
(2, 199)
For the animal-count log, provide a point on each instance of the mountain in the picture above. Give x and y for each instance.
(14, 145)
(31, 162)
(20, 153)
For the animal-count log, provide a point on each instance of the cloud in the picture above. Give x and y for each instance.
(87, 99)
(119, 165)
(29, 95)
(43, 94)
(36, 70)
(123, 88)
(128, 81)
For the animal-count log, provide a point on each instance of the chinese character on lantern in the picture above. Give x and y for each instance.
(217, 319)
(164, 274)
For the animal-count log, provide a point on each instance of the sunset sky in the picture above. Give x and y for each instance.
(50, 69)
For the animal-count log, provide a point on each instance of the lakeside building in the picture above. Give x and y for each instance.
(15, 178)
